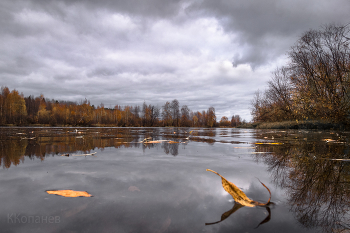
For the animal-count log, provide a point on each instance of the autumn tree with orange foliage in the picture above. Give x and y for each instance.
(224, 122)
(12, 107)
(18, 110)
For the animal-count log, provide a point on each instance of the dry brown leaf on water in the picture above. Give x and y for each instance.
(236, 207)
(69, 193)
(328, 140)
(28, 138)
(159, 141)
(171, 142)
(269, 143)
(340, 159)
(238, 195)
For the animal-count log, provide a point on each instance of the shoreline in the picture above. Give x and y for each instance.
(312, 124)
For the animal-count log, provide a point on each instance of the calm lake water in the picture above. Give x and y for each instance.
(164, 186)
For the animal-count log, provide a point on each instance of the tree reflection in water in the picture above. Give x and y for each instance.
(318, 188)
(16, 144)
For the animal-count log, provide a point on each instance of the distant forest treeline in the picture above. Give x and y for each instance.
(15, 109)
(314, 85)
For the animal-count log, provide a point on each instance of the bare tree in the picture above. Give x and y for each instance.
(236, 120)
(185, 116)
(175, 112)
(166, 114)
(279, 95)
(154, 114)
(211, 121)
(320, 63)
(316, 82)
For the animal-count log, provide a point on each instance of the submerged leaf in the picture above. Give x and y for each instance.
(69, 193)
(227, 214)
(238, 195)
(267, 219)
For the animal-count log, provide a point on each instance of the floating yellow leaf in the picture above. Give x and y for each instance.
(238, 195)
(340, 159)
(328, 140)
(171, 142)
(269, 143)
(69, 193)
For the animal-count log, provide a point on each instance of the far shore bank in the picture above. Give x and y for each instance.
(319, 125)
(97, 126)
(314, 124)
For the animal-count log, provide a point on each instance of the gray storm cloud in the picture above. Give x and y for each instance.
(203, 53)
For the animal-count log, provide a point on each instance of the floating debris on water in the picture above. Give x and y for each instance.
(69, 193)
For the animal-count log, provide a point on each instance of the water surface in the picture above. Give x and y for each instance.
(164, 186)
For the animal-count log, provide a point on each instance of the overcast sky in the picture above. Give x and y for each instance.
(203, 53)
